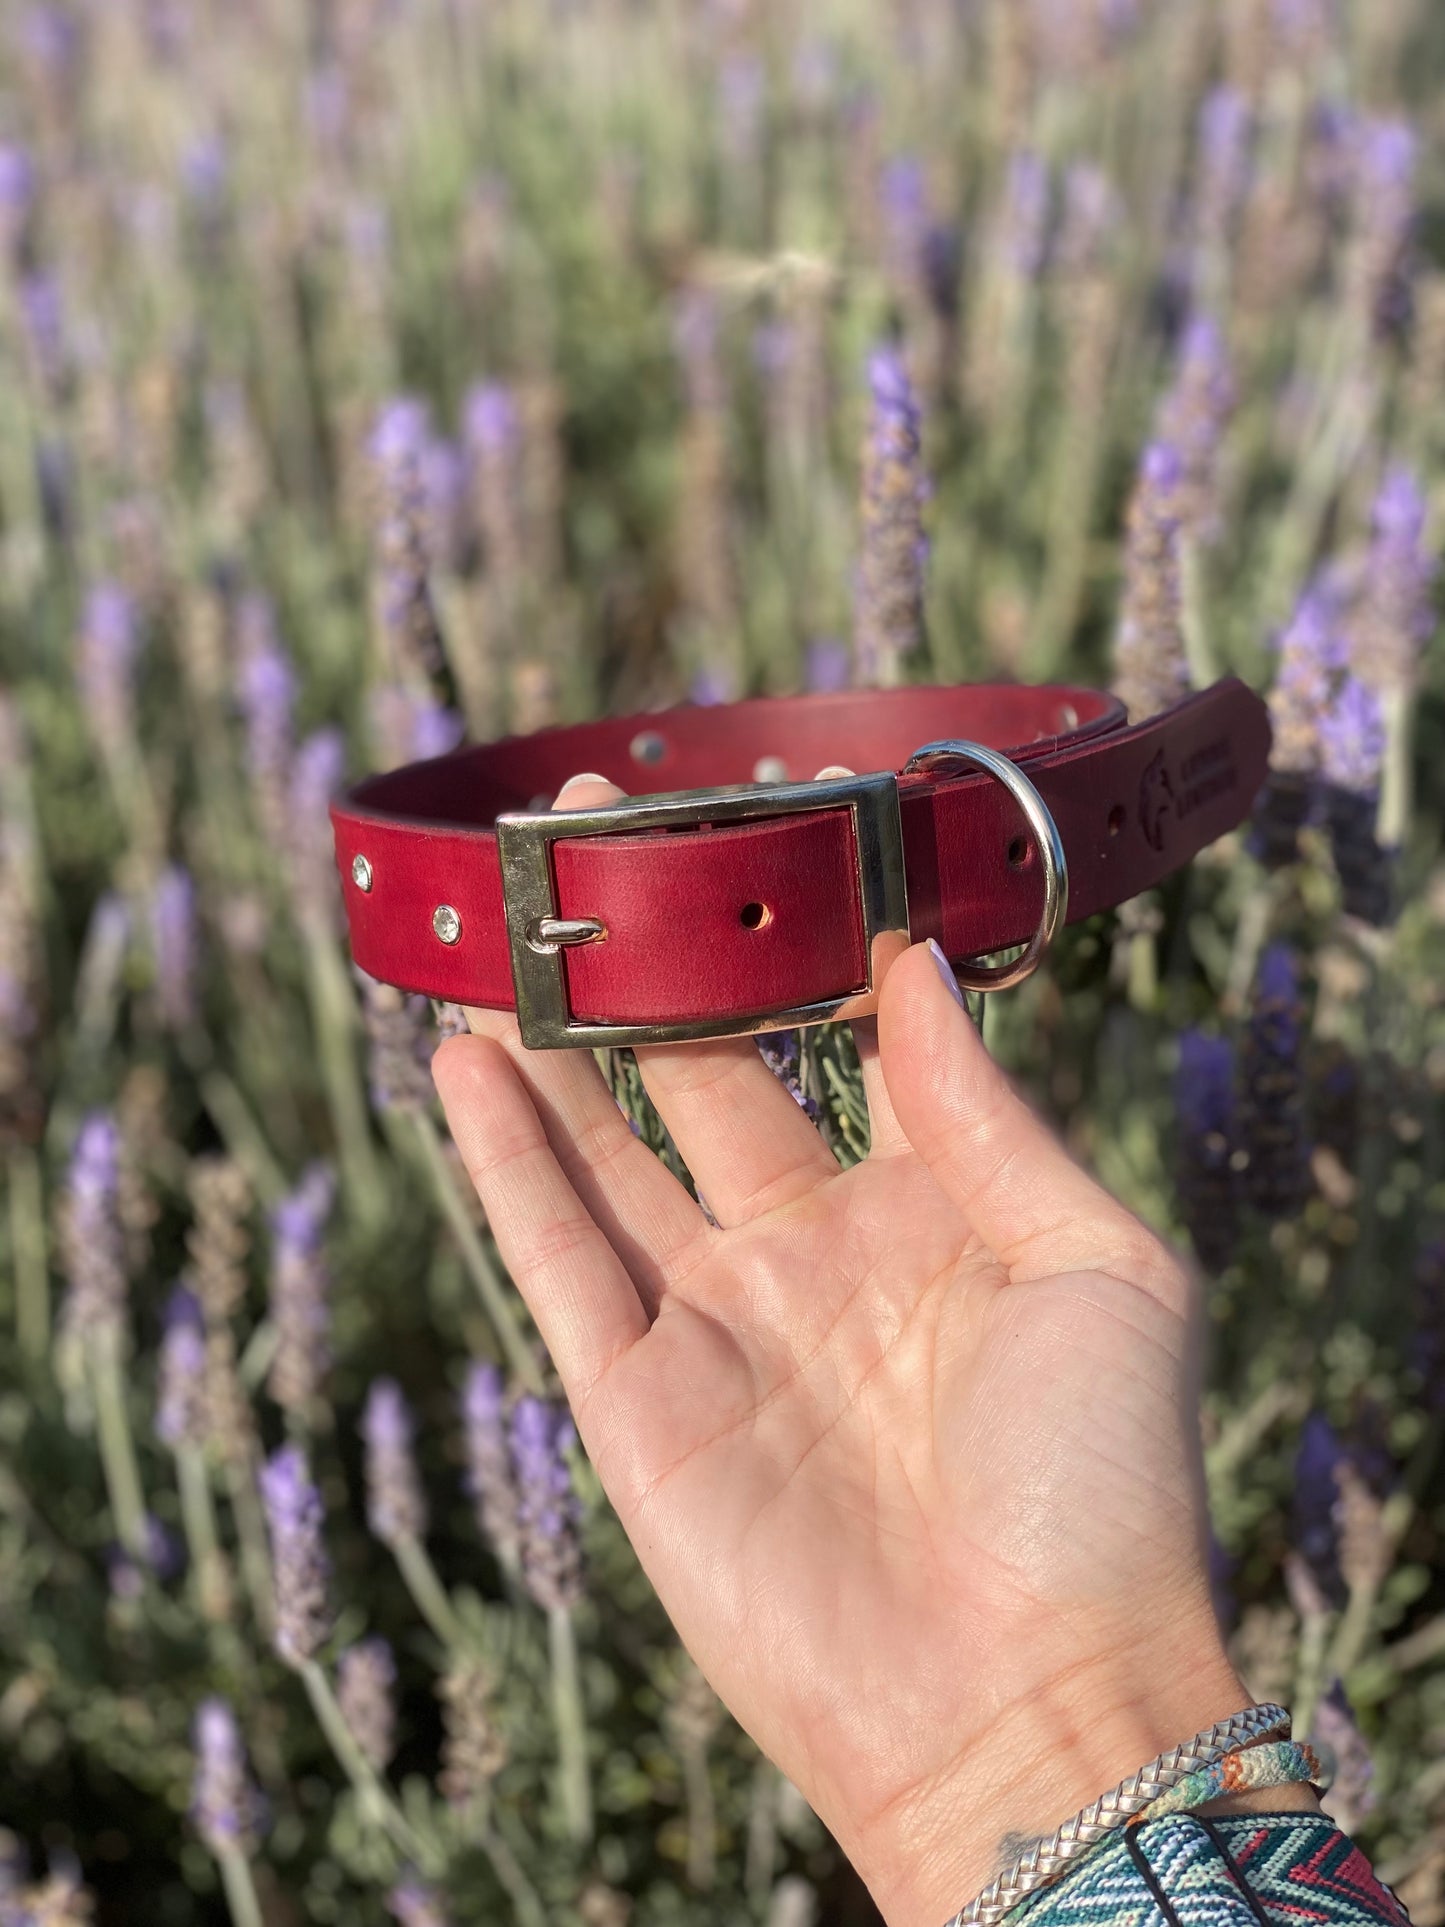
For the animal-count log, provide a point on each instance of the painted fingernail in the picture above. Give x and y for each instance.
(587, 776)
(945, 970)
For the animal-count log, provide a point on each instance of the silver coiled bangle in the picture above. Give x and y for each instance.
(1047, 1859)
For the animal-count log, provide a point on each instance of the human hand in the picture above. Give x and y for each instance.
(909, 1452)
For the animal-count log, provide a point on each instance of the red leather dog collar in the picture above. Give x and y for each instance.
(691, 910)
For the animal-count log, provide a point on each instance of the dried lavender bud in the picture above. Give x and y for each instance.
(403, 1042)
(1151, 668)
(1272, 1122)
(106, 652)
(1193, 419)
(173, 941)
(181, 1413)
(226, 1808)
(219, 1241)
(1386, 157)
(1316, 1537)
(782, 1052)
(294, 1521)
(489, 1462)
(1208, 1183)
(366, 1693)
(316, 774)
(1345, 1755)
(473, 1752)
(547, 1507)
(412, 1903)
(266, 692)
(450, 1021)
(94, 1252)
(888, 616)
(1398, 617)
(407, 616)
(301, 1292)
(395, 1502)
(1366, 1552)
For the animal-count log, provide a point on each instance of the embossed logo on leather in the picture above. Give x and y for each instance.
(1156, 795)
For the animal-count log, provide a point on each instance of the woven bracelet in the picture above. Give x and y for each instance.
(1047, 1859)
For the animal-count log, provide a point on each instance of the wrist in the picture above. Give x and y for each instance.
(1040, 1760)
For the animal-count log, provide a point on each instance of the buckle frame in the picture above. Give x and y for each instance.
(525, 840)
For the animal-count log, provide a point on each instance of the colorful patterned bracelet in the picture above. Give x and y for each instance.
(1270, 1763)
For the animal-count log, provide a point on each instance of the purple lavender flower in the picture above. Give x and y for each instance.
(316, 775)
(906, 220)
(206, 172)
(1025, 225)
(402, 1043)
(1398, 617)
(300, 1292)
(398, 448)
(713, 684)
(162, 1559)
(106, 652)
(1311, 654)
(181, 1384)
(1272, 1125)
(266, 692)
(1151, 668)
(827, 667)
(742, 99)
(1225, 127)
(17, 201)
(782, 1052)
(489, 1462)
(395, 1502)
(366, 1693)
(42, 316)
(93, 1241)
(1345, 1754)
(1193, 418)
(492, 436)
(413, 1903)
(1386, 159)
(226, 1808)
(1204, 1103)
(1091, 217)
(1316, 1490)
(173, 942)
(888, 617)
(294, 1521)
(411, 725)
(1352, 739)
(547, 1509)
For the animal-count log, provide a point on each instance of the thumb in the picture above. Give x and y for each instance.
(1037, 1210)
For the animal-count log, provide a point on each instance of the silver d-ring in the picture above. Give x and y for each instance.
(1051, 851)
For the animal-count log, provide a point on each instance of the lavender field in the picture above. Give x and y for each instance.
(376, 373)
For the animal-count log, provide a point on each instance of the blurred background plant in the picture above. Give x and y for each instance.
(388, 370)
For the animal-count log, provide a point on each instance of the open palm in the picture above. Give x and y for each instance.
(903, 1449)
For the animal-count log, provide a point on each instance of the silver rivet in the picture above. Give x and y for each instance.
(446, 923)
(770, 769)
(647, 747)
(361, 872)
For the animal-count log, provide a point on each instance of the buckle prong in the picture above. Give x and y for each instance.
(548, 935)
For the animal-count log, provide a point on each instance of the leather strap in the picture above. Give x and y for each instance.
(1132, 804)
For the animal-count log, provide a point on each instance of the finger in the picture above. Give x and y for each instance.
(1021, 1191)
(577, 1288)
(651, 1220)
(885, 1134)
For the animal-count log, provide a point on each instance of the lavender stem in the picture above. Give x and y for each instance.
(497, 1301)
(236, 1878)
(375, 1797)
(333, 1012)
(571, 1717)
(429, 1595)
(209, 1577)
(117, 1446)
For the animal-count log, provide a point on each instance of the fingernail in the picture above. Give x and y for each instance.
(833, 769)
(587, 776)
(945, 970)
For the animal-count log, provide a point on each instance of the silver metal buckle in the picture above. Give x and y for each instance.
(1051, 853)
(538, 935)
